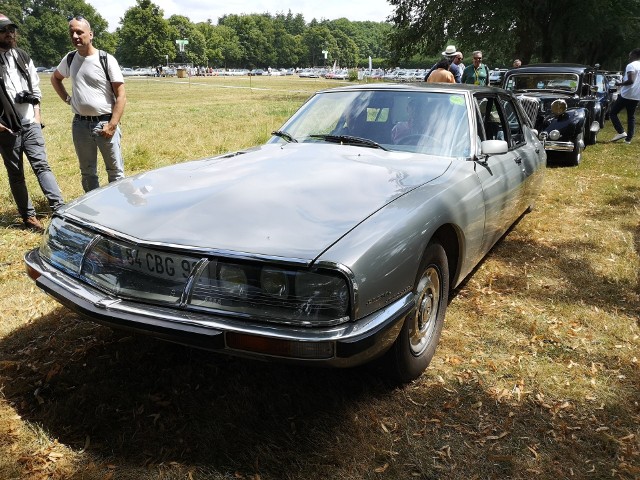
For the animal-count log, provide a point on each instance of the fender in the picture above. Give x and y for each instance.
(568, 124)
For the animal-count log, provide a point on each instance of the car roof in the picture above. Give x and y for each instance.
(558, 67)
(415, 87)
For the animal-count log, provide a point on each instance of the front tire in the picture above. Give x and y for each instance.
(575, 157)
(416, 344)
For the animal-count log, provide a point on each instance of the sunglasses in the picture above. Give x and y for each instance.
(8, 30)
(76, 17)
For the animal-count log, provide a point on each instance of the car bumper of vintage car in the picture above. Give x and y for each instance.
(345, 345)
(556, 146)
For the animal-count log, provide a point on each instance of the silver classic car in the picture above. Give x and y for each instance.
(335, 243)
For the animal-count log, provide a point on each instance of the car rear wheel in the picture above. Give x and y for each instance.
(415, 346)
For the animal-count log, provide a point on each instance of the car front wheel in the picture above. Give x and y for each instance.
(576, 156)
(415, 346)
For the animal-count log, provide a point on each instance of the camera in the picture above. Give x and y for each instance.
(27, 97)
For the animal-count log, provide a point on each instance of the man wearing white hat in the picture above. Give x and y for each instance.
(449, 54)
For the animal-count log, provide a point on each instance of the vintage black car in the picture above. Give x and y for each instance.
(562, 102)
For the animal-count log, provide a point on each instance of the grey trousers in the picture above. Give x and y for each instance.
(29, 142)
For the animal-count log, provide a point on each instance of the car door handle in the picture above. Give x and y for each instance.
(518, 160)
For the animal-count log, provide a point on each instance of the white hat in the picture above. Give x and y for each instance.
(450, 50)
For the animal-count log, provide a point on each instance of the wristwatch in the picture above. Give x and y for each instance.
(68, 100)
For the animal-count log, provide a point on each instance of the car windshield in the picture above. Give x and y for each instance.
(426, 122)
(566, 82)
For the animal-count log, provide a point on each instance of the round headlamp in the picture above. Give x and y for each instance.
(274, 282)
(554, 135)
(558, 107)
(234, 280)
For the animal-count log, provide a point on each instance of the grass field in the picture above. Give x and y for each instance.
(537, 374)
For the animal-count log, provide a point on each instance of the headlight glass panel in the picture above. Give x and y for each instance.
(273, 294)
(558, 107)
(134, 272)
(64, 244)
(245, 290)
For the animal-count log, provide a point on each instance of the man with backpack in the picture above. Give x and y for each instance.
(477, 73)
(98, 99)
(21, 128)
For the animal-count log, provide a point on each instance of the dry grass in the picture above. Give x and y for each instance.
(537, 375)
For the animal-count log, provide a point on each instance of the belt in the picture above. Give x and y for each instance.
(89, 118)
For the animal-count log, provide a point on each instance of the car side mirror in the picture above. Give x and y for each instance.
(494, 147)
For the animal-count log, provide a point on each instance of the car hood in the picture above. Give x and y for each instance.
(290, 201)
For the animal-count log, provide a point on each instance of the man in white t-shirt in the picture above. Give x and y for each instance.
(98, 99)
(628, 99)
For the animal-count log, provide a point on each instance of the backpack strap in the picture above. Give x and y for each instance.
(103, 61)
(70, 56)
(22, 62)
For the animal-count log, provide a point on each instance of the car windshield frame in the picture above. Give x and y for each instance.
(431, 122)
(564, 82)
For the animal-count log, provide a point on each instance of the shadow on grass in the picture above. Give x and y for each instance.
(138, 403)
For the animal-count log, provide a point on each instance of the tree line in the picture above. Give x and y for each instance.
(145, 38)
(578, 31)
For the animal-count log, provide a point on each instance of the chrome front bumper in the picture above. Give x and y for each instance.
(349, 344)
(557, 146)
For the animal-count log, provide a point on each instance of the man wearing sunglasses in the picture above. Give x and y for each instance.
(477, 73)
(20, 127)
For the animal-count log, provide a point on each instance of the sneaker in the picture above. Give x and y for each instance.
(619, 136)
(32, 223)
(628, 142)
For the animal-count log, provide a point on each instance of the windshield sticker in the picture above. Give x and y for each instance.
(456, 100)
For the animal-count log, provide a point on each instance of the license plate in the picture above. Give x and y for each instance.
(158, 264)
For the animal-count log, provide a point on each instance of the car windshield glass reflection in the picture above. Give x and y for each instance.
(434, 123)
(565, 82)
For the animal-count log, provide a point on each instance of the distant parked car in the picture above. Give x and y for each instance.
(41, 69)
(605, 96)
(337, 242)
(496, 76)
(562, 102)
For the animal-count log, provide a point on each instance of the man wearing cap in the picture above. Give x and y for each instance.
(98, 100)
(20, 127)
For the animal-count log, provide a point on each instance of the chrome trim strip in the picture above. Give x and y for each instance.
(193, 250)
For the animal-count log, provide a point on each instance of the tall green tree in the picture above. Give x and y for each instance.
(44, 27)
(318, 38)
(195, 51)
(145, 37)
(582, 31)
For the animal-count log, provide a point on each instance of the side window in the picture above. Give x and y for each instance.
(491, 118)
(513, 121)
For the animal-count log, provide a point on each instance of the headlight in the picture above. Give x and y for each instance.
(64, 244)
(558, 107)
(233, 279)
(271, 293)
(274, 282)
(137, 273)
(250, 291)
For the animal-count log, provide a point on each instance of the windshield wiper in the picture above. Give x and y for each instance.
(285, 135)
(350, 140)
